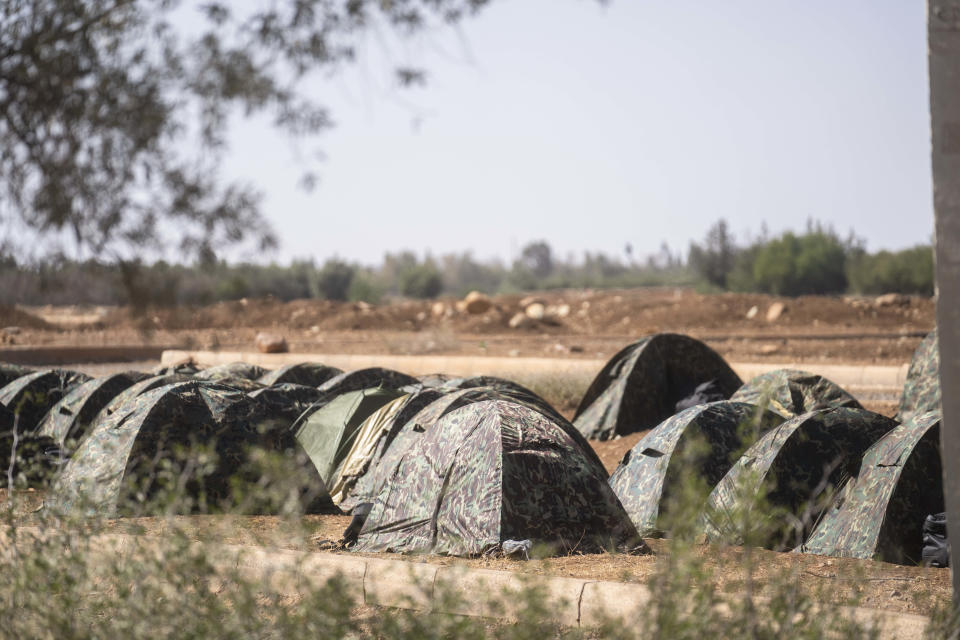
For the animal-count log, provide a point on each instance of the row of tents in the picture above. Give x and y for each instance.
(461, 466)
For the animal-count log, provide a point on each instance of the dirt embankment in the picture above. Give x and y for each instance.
(574, 323)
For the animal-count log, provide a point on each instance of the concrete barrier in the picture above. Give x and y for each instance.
(854, 378)
(62, 354)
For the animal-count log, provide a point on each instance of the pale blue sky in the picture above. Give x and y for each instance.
(590, 127)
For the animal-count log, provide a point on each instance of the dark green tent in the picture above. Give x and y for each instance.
(287, 400)
(186, 447)
(309, 374)
(490, 472)
(921, 391)
(790, 392)
(29, 397)
(879, 513)
(367, 379)
(641, 385)
(70, 418)
(697, 445)
(804, 460)
(326, 431)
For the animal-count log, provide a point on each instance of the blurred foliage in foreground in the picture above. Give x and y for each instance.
(817, 261)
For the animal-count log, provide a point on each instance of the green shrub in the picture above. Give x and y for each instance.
(334, 279)
(793, 265)
(907, 271)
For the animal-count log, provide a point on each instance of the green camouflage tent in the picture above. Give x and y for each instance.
(491, 382)
(327, 431)
(10, 372)
(490, 472)
(31, 459)
(29, 397)
(790, 392)
(367, 379)
(798, 465)
(287, 400)
(696, 446)
(351, 485)
(641, 385)
(921, 391)
(230, 371)
(70, 418)
(879, 513)
(434, 379)
(186, 368)
(185, 447)
(137, 389)
(309, 374)
(387, 459)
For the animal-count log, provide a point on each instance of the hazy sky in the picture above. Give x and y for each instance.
(643, 121)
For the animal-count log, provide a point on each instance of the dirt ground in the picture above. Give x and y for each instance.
(579, 323)
(873, 584)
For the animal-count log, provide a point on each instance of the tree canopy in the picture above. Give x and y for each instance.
(114, 116)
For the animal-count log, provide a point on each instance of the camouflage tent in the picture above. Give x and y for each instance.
(797, 465)
(921, 391)
(10, 372)
(641, 385)
(139, 388)
(879, 513)
(185, 447)
(491, 382)
(389, 455)
(435, 379)
(327, 431)
(231, 370)
(187, 368)
(287, 400)
(351, 486)
(790, 392)
(70, 418)
(366, 379)
(309, 374)
(29, 397)
(31, 459)
(490, 472)
(696, 446)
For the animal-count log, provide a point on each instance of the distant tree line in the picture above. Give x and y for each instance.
(817, 261)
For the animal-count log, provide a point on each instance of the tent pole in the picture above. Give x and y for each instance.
(943, 39)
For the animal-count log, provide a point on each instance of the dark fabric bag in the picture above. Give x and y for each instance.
(936, 549)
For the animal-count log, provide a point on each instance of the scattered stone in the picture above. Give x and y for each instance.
(892, 300)
(559, 348)
(752, 313)
(271, 343)
(558, 311)
(477, 303)
(576, 348)
(769, 349)
(315, 329)
(625, 321)
(513, 353)
(13, 331)
(363, 307)
(422, 316)
(439, 309)
(520, 321)
(776, 310)
(460, 306)
(535, 311)
(529, 300)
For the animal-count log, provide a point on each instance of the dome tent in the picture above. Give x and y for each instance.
(309, 374)
(791, 392)
(803, 460)
(327, 431)
(10, 372)
(351, 484)
(492, 382)
(879, 513)
(29, 397)
(641, 385)
(70, 418)
(137, 389)
(30, 459)
(489, 472)
(367, 379)
(287, 400)
(231, 370)
(921, 390)
(162, 440)
(700, 441)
